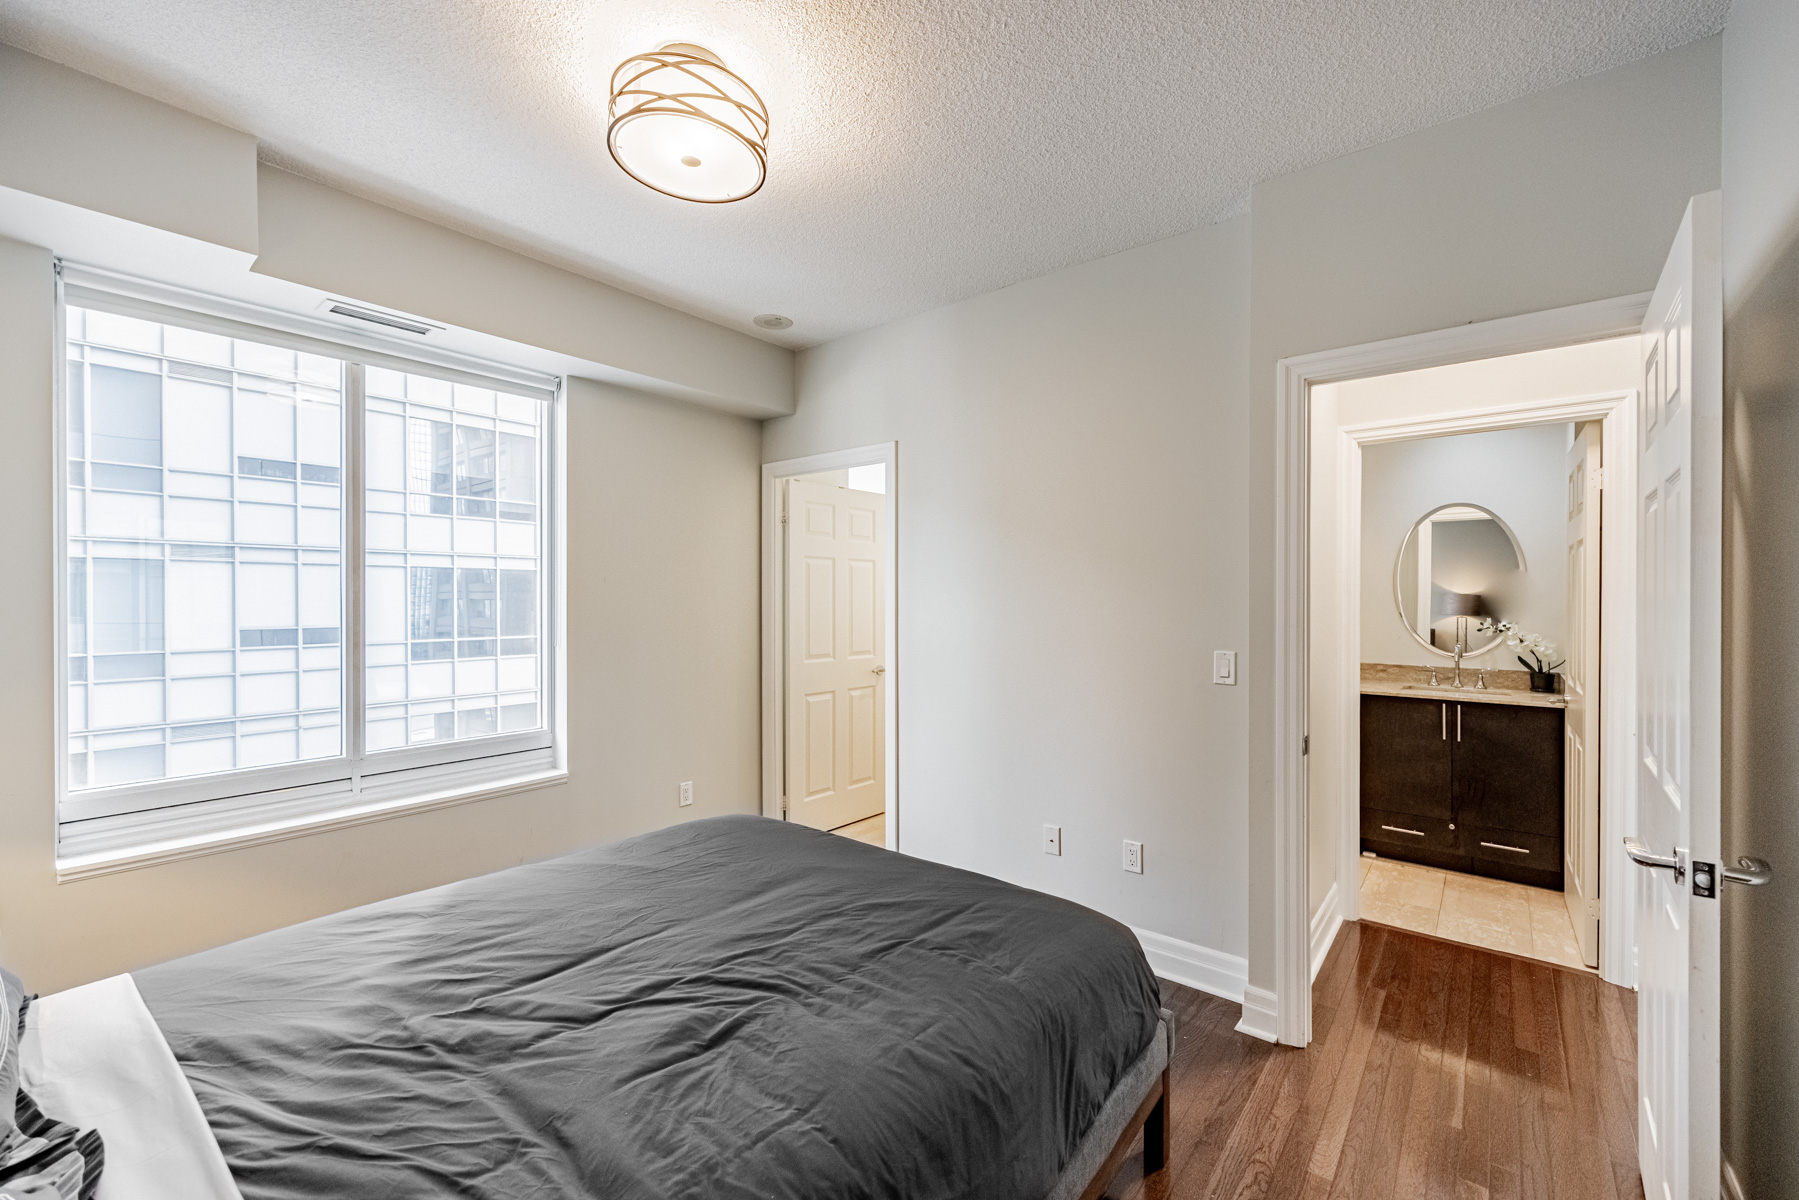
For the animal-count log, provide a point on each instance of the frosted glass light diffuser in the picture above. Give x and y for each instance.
(687, 127)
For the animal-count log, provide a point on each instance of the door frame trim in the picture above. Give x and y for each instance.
(1294, 377)
(774, 624)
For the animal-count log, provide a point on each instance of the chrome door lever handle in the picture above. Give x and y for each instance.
(1643, 856)
(1753, 872)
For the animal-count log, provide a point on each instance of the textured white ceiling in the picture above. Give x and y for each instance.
(921, 152)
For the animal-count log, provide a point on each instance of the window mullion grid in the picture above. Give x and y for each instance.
(355, 498)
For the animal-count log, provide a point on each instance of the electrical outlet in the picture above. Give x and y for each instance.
(1133, 857)
(1052, 839)
(687, 793)
(1224, 667)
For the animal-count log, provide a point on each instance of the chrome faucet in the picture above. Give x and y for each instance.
(1458, 666)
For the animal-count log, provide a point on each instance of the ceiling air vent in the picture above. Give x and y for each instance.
(377, 317)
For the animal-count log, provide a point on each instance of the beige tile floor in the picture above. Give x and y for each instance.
(872, 830)
(1470, 908)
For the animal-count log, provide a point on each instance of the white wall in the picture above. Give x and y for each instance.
(1761, 755)
(80, 140)
(663, 668)
(1516, 473)
(1565, 196)
(1070, 553)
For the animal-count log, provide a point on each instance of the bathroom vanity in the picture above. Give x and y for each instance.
(1456, 774)
(1464, 779)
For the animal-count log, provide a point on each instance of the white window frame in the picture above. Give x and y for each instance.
(110, 828)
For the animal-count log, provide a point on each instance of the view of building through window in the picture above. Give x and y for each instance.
(206, 587)
(452, 498)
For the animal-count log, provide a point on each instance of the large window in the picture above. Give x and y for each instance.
(234, 571)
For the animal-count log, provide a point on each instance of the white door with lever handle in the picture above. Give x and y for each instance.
(1680, 474)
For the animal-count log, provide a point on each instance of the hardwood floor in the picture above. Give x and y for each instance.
(1436, 1069)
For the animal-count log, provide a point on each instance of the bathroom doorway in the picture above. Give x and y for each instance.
(1481, 831)
(1461, 537)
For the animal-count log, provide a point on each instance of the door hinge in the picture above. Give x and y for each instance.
(1599, 478)
(1305, 744)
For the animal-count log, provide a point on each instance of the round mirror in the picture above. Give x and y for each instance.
(1459, 566)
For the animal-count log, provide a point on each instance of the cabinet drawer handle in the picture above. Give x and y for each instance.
(1397, 829)
(1501, 846)
(1446, 720)
(1458, 722)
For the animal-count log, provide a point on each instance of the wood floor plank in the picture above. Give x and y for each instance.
(1308, 1156)
(1512, 1073)
(1578, 1029)
(1436, 1070)
(1473, 1152)
(1425, 1124)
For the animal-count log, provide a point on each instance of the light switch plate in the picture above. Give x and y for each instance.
(1224, 667)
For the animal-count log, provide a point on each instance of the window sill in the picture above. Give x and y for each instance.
(151, 854)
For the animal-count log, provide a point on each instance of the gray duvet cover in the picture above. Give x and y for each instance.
(734, 1007)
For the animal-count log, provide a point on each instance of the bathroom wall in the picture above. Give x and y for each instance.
(1516, 473)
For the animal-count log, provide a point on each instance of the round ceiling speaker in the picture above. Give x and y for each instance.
(687, 127)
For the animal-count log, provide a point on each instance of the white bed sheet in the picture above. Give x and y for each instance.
(93, 1056)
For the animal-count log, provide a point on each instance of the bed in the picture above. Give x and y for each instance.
(733, 1007)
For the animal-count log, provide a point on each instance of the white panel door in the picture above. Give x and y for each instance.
(836, 638)
(1580, 673)
(1679, 603)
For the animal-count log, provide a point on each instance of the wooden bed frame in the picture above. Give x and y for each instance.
(1151, 1119)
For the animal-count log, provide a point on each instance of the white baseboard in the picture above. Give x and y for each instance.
(1214, 972)
(1211, 971)
(1260, 1018)
(1325, 923)
(1733, 1187)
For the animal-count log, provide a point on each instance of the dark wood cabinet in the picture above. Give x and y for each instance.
(1464, 785)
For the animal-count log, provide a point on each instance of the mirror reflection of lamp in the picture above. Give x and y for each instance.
(1461, 606)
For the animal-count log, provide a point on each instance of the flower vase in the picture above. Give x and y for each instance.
(1542, 681)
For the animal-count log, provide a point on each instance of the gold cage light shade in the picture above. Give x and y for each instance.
(687, 127)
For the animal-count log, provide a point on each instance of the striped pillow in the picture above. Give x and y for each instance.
(40, 1158)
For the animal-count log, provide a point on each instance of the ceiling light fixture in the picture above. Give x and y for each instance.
(685, 126)
(774, 321)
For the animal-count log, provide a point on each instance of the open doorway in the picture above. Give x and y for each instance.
(1479, 689)
(829, 728)
(1462, 521)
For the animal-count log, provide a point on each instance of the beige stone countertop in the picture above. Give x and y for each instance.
(1466, 694)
